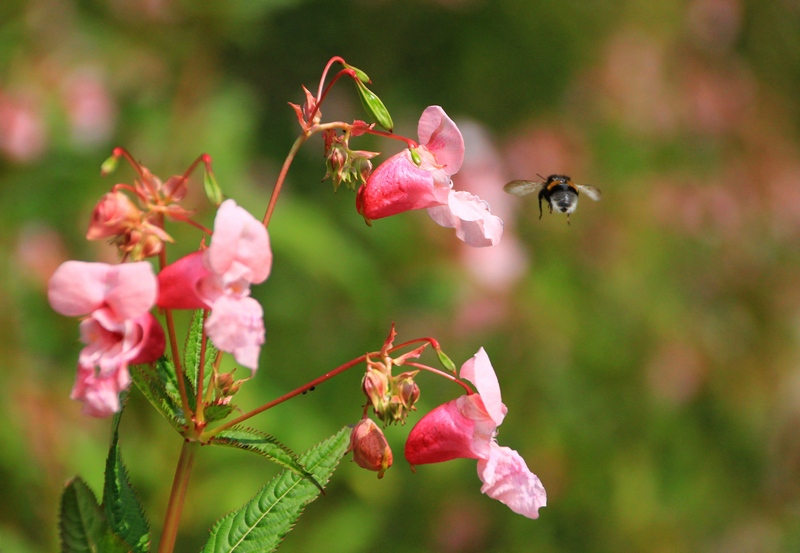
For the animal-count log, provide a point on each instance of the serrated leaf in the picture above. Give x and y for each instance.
(191, 357)
(217, 412)
(154, 388)
(82, 525)
(261, 524)
(121, 506)
(265, 445)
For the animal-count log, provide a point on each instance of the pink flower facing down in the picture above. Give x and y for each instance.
(219, 278)
(465, 428)
(118, 328)
(400, 184)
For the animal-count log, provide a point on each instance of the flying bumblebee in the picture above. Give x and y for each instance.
(559, 191)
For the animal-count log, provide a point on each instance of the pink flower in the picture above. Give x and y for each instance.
(465, 428)
(118, 328)
(402, 183)
(219, 278)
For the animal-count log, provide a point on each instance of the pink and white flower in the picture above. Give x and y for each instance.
(465, 428)
(403, 183)
(118, 328)
(219, 278)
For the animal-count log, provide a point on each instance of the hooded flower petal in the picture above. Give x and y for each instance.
(441, 435)
(471, 217)
(179, 284)
(506, 477)
(236, 325)
(440, 136)
(478, 370)
(398, 185)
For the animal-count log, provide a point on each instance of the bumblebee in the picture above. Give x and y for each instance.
(558, 190)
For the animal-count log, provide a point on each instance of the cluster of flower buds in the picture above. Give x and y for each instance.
(345, 166)
(137, 230)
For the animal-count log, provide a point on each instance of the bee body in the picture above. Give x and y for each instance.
(560, 193)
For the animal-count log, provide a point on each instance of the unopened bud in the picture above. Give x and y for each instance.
(408, 391)
(114, 215)
(375, 386)
(109, 165)
(211, 187)
(374, 106)
(370, 449)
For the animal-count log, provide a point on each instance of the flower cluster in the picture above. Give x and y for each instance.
(115, 301)
(464, 428)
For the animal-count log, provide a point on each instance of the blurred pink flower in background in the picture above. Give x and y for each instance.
(23, 135)
(90, 108)
(118, 328)
(219, 278)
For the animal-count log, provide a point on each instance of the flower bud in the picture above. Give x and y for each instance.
(375, 385)
(374, 106)
(408, 391)
(370, 449)
(114, 215)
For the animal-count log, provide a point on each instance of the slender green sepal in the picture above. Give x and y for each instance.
(374, 107)
(109, 166)
(82, 526)
(446, 362)
(261, 524)
(211, 187)
(121, 505)
(415, 156)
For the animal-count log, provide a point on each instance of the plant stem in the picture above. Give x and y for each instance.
(273, 199)
(177, 496)
(304, 388)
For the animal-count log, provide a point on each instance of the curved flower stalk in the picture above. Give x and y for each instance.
(118, 328)
(219, 278)
(420, 178)
(465, 428)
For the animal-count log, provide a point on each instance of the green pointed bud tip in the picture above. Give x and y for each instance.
(109, 165)
(415, 157)
(363, 77)
(446, 362)
(211, 188)
(374, 107)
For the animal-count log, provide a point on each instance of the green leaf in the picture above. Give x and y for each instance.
(261, 524)
(122, 507)
(191, 357)
(265, 445)
(217, 412)
(82, 525)
(153, 385)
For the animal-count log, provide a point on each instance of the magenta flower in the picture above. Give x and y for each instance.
(465, 428)
(401, 184)
(118, 328)
(219, 278)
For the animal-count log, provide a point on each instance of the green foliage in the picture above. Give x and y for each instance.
(118, 525)
(82, 525)
(265, 445)
(192, 355)
(122, 507)
(261, 524)
(159, 386)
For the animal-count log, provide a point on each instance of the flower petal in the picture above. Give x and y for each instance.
(131, 289)
(478, 370)
(99, 394)
(398, 185)
(236, 326)
(238, 236)
(471, 218)
(179, 284)
(440, 135)
(506, 478)
(77, 287)
(441, 435)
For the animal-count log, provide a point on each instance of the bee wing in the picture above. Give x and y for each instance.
(523, 187)
(592, 191)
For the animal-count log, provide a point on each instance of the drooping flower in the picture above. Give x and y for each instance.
(118, 328)
(465, 428)
(370, 449)
(422, 180)
(219, 278)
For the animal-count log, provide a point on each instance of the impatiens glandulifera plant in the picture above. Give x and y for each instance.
(126, 343)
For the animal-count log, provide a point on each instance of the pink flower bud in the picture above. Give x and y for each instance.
(114, 215)
(369, 446)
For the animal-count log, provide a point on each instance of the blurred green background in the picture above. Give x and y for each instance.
(649, 353)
